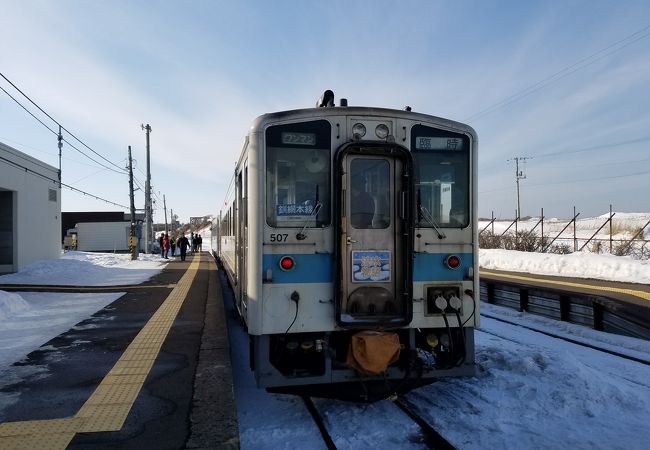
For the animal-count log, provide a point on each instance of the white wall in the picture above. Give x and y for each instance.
(103, 236)
(38, 220)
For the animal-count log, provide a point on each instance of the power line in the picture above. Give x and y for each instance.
(28, 111)
(581, 64)
(57, 182)
(88, 176)
(600, 164)
(76, 161)
(569, 181)
(33, 161)
(121, 170)
(55, 133)
(595, 147)
(592, 179)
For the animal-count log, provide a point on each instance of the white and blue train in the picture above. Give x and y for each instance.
(350, 241)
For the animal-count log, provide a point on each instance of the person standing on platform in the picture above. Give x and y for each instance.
(183, 243)
(162, 248)
(166, 246)
(172, 243)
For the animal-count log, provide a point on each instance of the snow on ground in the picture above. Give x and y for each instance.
(30, 319)
(579, 265)
(536, 392)
(88, 269)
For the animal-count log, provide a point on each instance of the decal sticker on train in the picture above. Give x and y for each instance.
(370, 266)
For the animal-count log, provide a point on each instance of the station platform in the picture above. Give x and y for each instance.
(617, 307)
(633, 293)
(149, 371)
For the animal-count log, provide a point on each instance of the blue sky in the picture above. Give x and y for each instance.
(200, 71)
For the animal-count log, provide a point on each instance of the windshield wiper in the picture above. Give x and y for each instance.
(301, 234)
(423, 212)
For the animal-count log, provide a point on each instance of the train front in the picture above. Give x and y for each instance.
(369, 248)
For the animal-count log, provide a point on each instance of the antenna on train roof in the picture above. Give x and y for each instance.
(327, 99)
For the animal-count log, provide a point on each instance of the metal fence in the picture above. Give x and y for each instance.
(536, 239)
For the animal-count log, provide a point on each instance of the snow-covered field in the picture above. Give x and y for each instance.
(531, 391)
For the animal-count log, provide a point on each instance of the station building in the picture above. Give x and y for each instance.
(30, 210)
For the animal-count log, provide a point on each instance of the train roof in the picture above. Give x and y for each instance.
(280, 116)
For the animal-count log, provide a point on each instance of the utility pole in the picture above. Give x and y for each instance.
(165, 207)
(60, 145)
(519, 175)
(171, 220)
(148, 219)
(133, 240)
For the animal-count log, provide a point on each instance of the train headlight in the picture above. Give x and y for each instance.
(432, 340)
(382, 131)
(287, 263)
(358, 130)
(452, 261)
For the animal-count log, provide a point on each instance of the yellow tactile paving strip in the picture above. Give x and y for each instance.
(50, 288)
(108, 407)
(641, 294)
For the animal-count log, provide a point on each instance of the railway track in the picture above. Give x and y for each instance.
(567, 339)
(432, 438)
(320, 423)
(429, 435)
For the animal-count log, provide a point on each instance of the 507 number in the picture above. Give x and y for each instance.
(279, 237)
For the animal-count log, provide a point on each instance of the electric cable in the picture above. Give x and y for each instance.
(294, 319)
(295, 297)
(462, 335)
(33, 172)
(595, 147)
(471, 295)
(59, 124)
(33, 160)
(55, 133)
(451, 339)
(569, 181)
(585, 62)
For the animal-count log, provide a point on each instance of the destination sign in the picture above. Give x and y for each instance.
(299, 138)
(439, 143)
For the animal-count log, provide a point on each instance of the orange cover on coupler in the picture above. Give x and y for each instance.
(370, 353)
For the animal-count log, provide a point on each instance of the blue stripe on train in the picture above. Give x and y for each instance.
(431, 267)
(318, 268)
(314, 268)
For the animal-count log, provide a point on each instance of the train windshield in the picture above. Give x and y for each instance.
(441, 177)
(298, 175)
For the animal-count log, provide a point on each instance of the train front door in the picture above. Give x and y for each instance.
(374, 253)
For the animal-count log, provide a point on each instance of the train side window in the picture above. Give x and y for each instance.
(298, 174)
